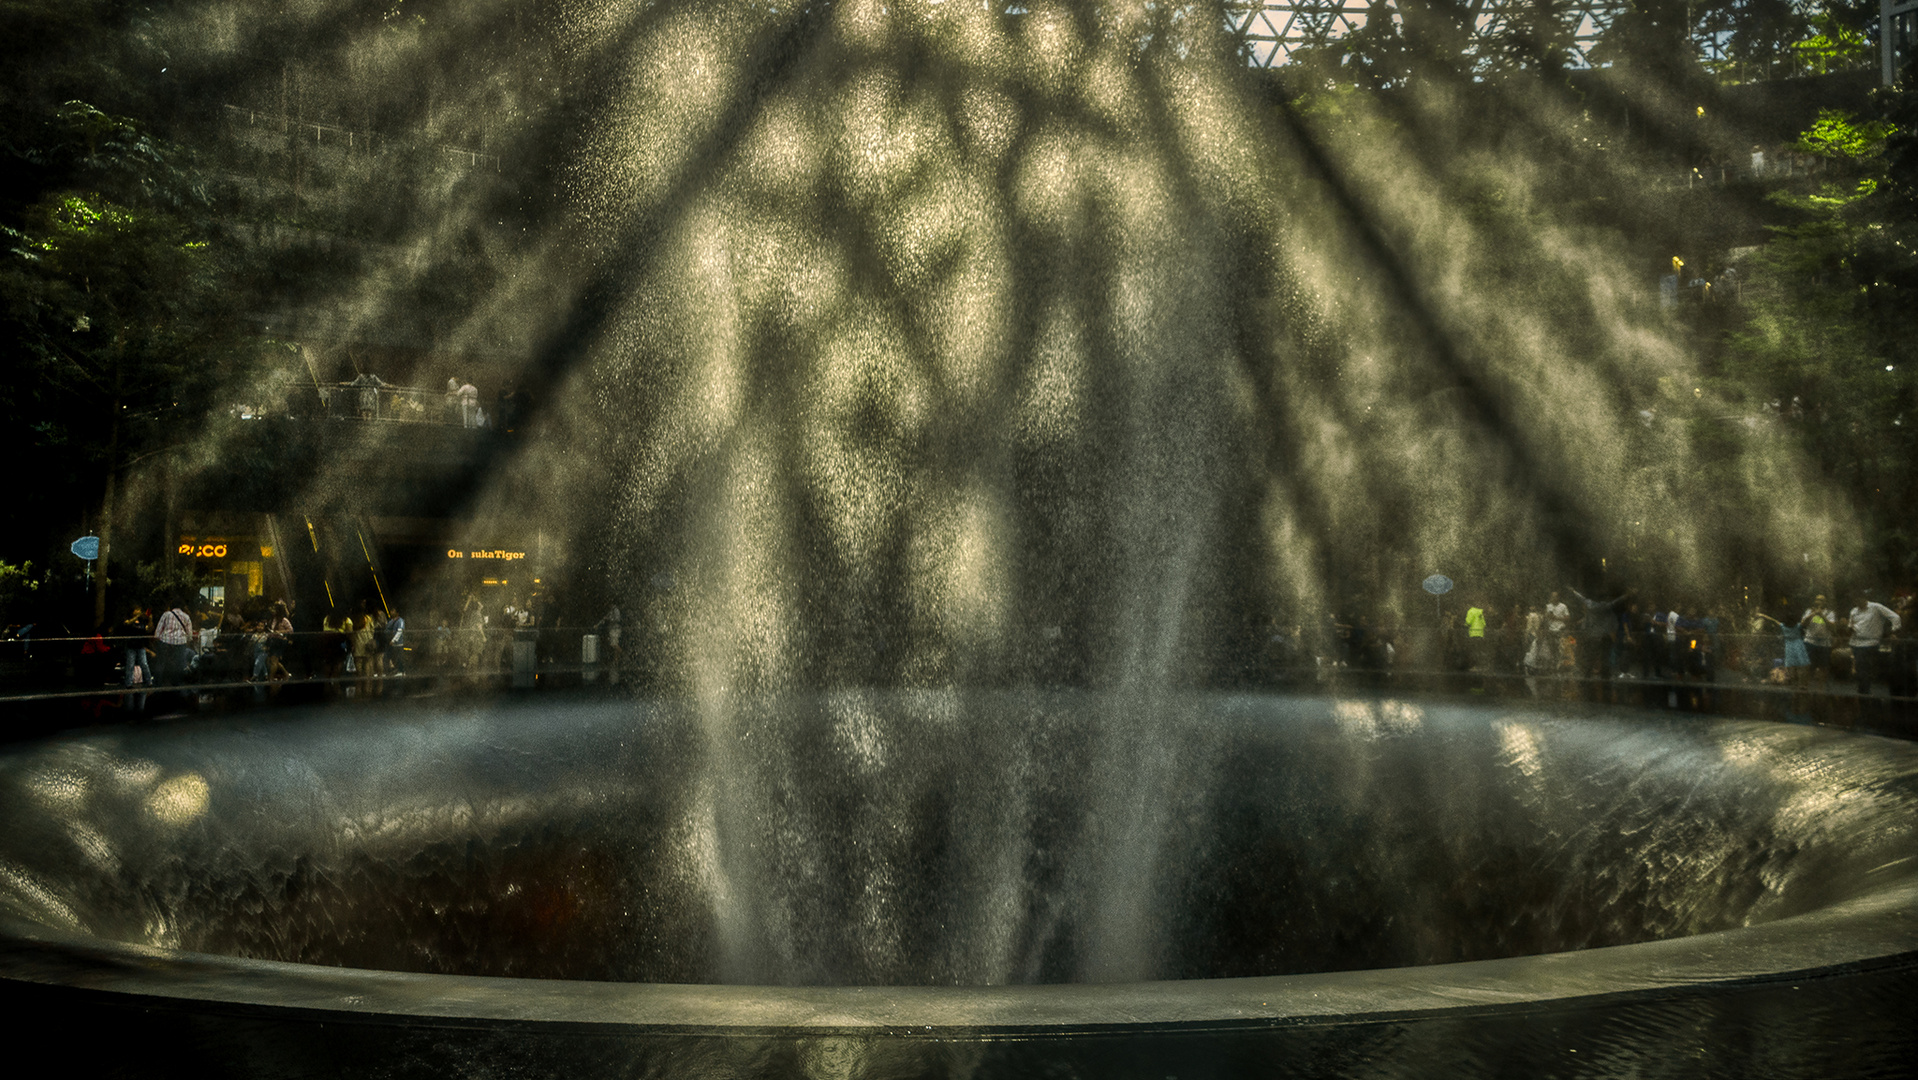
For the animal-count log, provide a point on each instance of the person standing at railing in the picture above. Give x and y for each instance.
(360, 635)
(172, 634)
(469, 404)
(1901, 659)
(96, 658)
(1797, 662)
(1509, 642)
(335, 644)
(133, 632)
(1871, 622)
(1818, 621)
(1675, 642)
(1475, 635)
(1641, 637)
(1558, 622)
(1598, 643)
(259, 639)
(1537, 652)
(279, 628)
(472, 632)
(375, 619)
(369, 385)
(1704, 655)
(610, 626)
(395, 645)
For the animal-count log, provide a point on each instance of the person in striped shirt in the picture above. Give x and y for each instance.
(173, 634)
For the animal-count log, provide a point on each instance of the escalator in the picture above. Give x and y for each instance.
(329, 562)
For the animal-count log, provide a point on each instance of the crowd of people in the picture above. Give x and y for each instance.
(1792, 643)
(188, 639)
(1813, 643)
(370, 397)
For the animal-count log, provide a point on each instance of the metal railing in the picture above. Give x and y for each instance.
(333, 135)
(399, 404)
(72, 663)
(54, 669)
(1764, 165)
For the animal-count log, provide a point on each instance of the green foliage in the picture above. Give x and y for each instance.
(1838, 44)
(1839, 136)
(17, 586)
(115, 308)
(1829, 338)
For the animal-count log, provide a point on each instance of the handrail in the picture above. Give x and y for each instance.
(395, 404)
(1742, 660)
(385, 404)
(355, 140)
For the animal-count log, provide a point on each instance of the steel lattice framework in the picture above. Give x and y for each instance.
(1278, 27)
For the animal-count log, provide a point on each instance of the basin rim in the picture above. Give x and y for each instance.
(1872, 931)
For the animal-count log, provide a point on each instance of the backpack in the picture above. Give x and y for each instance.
(179, 621)
(383, 635)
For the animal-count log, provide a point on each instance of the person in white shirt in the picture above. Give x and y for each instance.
(1537, 648)
(1557, 618)
(1871, 622)
(469, 404)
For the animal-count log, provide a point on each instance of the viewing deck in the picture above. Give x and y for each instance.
(410, 452)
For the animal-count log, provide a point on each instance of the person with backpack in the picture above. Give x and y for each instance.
(173, 635)
(390, 638)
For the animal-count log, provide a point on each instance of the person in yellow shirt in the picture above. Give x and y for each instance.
(365, 659)
(1475, 633)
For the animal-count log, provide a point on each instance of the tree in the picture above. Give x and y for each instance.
(1829, 341)
(115, 315)
(1838, 44)
(17, 586)
(1757, 37)
(1537, 39)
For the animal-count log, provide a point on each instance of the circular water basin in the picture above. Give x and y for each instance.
(888, 883)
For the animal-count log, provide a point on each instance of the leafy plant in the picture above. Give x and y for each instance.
(17, 586)
(1839, 136)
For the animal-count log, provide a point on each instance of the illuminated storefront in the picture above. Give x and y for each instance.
(244, 562)
(232, 569)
